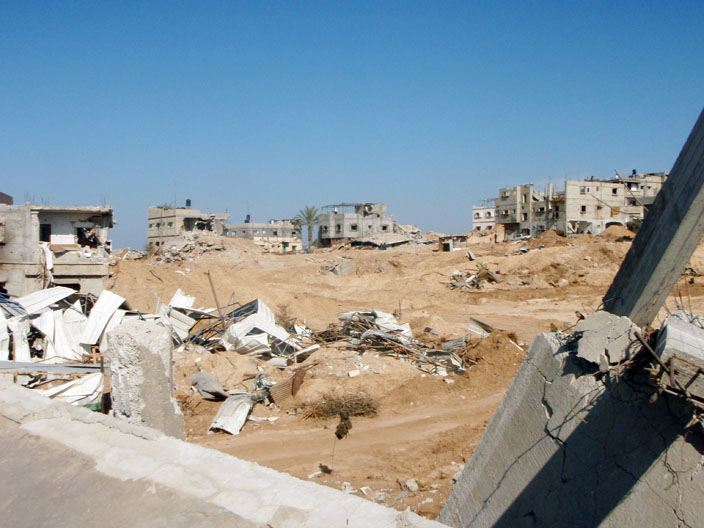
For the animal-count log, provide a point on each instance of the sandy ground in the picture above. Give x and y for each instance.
(426, 426)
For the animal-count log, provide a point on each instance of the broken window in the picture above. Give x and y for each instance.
(582, 190)
(171, 224)
(88, 237)
(584, 209)
(488, 214)
(525, 216)
(384, 228)
(614, 191)
(525, 198)
(275, 233)
(45, 232)
(476, 215)
(337, 228)
(325, 229)
(353, 227)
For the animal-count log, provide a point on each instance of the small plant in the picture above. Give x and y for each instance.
(150, 249)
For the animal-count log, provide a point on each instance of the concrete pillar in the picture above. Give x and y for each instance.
(140, 383)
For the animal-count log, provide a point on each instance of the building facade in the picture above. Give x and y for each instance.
(166, 222)
(588, 206)
(483, 217)
(45, 245)
(280, 236)
(344, 222)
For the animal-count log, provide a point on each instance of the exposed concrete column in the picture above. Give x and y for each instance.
(666, 240)
(140, 381)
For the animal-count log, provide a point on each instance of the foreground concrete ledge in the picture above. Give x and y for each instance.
(136, 454)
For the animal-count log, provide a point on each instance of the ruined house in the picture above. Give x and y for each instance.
(344, 222)
(588, 206)
(280, 236)
(42, 245)
(166, 222)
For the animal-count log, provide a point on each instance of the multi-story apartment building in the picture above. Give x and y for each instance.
(588, 206)
(344, 222)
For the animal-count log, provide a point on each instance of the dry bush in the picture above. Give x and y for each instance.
(329, 406)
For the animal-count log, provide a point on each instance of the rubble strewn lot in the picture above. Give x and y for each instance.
(379, 380)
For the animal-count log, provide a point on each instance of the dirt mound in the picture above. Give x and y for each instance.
(618, 232)
(550, 235)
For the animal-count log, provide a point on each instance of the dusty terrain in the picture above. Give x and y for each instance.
(426, 426)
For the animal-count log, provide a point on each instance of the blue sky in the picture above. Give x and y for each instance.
(264, 107)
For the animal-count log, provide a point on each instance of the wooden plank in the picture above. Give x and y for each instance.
(666, 240)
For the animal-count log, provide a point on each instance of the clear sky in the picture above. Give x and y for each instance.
(267, 106)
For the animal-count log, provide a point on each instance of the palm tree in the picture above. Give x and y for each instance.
(308, 216)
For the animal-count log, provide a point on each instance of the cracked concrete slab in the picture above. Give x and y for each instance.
(570, 446)
(606, 339)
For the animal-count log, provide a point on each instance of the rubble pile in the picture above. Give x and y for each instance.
(473, 279)
(380, 332)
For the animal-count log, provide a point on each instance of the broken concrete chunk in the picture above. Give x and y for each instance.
(140, 364)
(607, 335)
(208, 386)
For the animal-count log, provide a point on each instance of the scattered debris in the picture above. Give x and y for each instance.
(380, 332)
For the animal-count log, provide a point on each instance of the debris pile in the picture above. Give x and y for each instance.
(380, 332)
(473, 279)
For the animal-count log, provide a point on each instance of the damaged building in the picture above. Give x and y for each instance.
(588, 206)
(483, 217)
(42, 245)
(344, 222)
(167, 222)
(280, 236)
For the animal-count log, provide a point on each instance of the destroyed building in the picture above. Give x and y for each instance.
(344, 222)
(281, 236)
(167, 222)
(588, 206)
(42, 245)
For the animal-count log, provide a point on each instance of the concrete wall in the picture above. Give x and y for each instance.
(65, 465)
(569, 446)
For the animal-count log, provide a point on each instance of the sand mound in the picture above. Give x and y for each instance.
(615, 232)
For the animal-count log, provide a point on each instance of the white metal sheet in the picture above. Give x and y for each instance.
(107, 305)
(37, 301)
